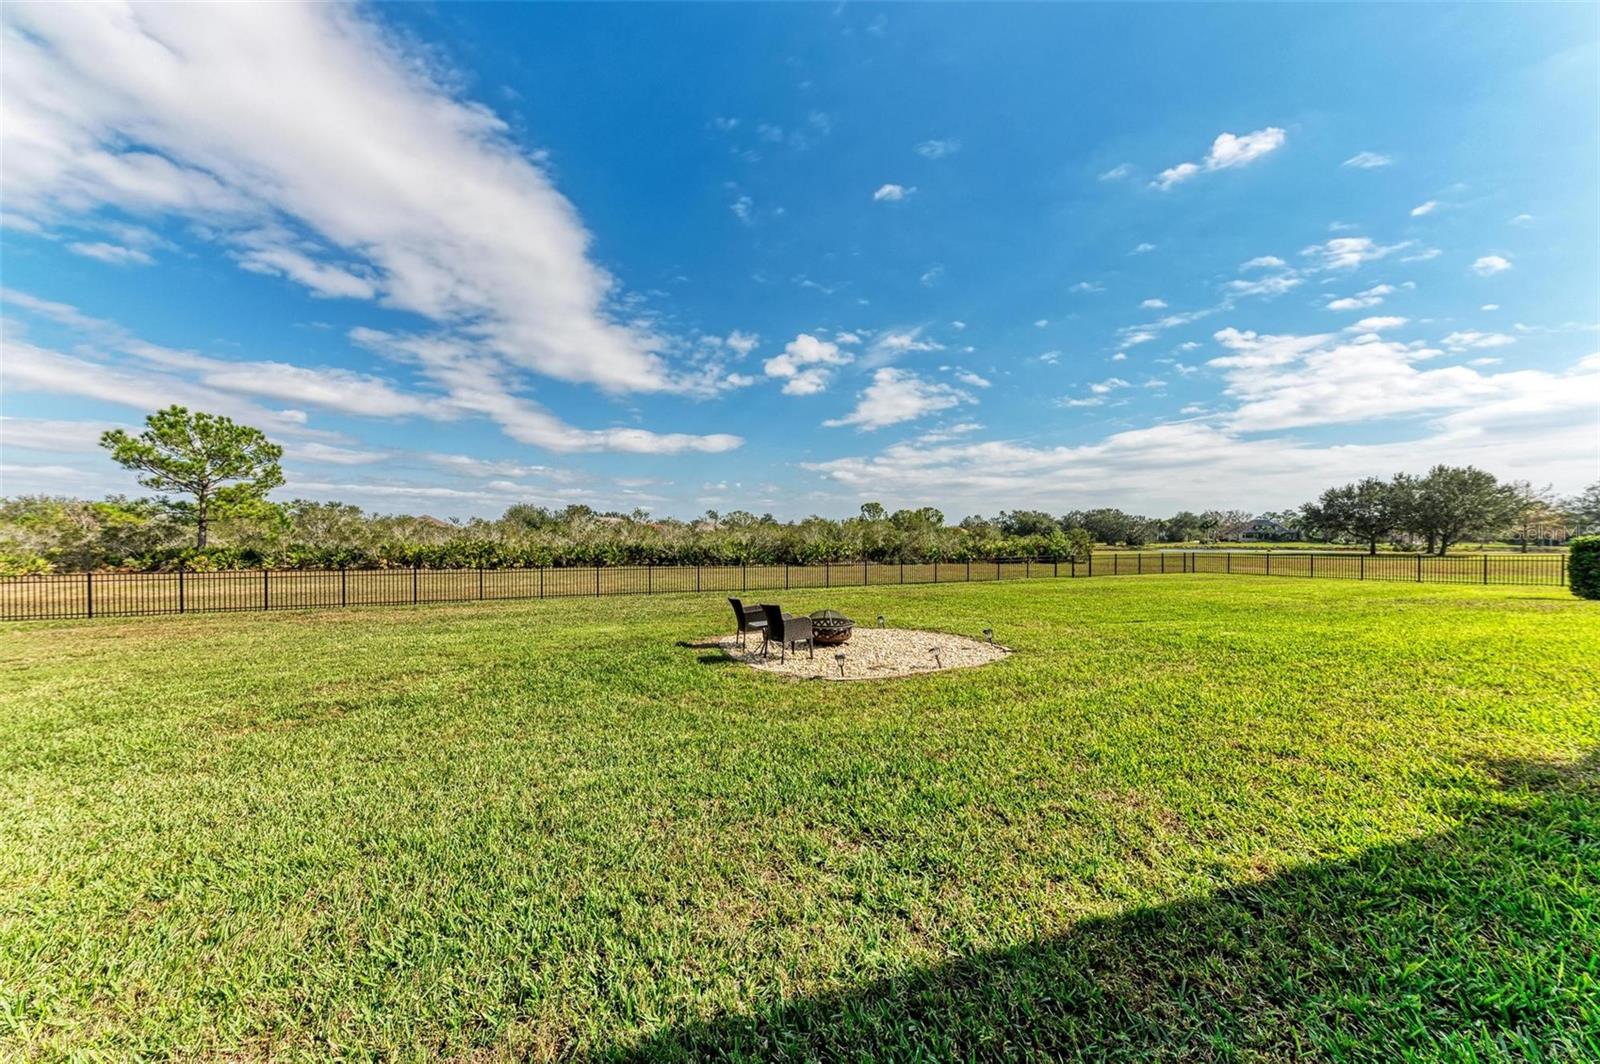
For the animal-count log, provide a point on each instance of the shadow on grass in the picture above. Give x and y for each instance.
(1479, 943)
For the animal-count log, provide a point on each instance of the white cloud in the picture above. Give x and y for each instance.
(1361, 300)
(1489, 265)
(1367, 160)
(742, 208)
(1378, 324)
(1117, 172)
(938, 149)
(1422, 256)
(1108, 385)
(804, 364)
(1154, 304)
(115, 254)
(1471, 338)
(1264, 262)
(244, 118)
(1041, 323)
(1141, 249)
(1227, 151)
(1490, 306)
(1120, 356)
(1541, 427)
(932, 276)
(958, 325)
(1088, 286)
(1348, 252)
(742, 343)
(896, 395)
(1275, 285)
(1522, 219)
(892, 193)
(1174, 175)
(891, 344)
(1424, 208)
(326, 280)
(970, 378)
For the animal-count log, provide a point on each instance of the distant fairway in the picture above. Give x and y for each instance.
(1199, 816)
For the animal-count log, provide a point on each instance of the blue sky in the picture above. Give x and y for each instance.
(788, 258)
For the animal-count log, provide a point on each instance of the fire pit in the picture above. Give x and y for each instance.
(829, 628)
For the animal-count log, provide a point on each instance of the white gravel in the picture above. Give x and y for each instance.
(871, 654)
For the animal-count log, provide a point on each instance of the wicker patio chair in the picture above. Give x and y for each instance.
(787, 630)
(749, 619)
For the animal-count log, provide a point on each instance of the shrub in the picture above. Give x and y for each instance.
(1583, 567)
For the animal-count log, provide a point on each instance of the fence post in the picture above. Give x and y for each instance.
(1139, 567)
(864, 578)
(341, 585)
(1361, 570)
(827, 574)
(541, 581)
(969, 570)
(1116, 564)
(744, 576)
(1027, 567)
(1313, 559)
(786, 576)
(266, 589)
(88, 591)
(414, 574)
(1055, 566)
(1227, 562)
(902, 570)
(596, 581)
(997, 568)
(936, 570)
(1419, 568)
(1269, 563)
(649, 578)
(1486, 568)
(1563, 578)
(181, 606)
(1091, 563)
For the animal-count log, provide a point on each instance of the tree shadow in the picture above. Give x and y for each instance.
(1478, 943)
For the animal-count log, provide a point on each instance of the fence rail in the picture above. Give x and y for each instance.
(71, 595)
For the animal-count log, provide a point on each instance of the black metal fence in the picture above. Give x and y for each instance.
(71, 595)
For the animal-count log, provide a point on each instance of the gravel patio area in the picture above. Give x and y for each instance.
(871, 654)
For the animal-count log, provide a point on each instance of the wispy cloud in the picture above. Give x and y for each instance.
(892, 193)
(1367, 160)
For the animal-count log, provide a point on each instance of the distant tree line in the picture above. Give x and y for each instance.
(220, 518)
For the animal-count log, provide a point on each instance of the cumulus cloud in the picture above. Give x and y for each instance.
(896, 395)
(892, 193)
(1154, 304)
(805, 366)
(1424, 208)
(1489, 265)
(1227, 151)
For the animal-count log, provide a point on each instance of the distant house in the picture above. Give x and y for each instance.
(1258, 529)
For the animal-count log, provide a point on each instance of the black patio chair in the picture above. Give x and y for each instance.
(750, 619)
(787, 630)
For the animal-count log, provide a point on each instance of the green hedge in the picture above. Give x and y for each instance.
(1584, 567)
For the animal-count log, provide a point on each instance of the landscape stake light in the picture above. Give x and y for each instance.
(988, 633)
(839, 657)
(880, 620)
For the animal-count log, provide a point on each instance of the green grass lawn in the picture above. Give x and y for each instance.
(1191, 817)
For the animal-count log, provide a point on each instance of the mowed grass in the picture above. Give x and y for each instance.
(1192, 817)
